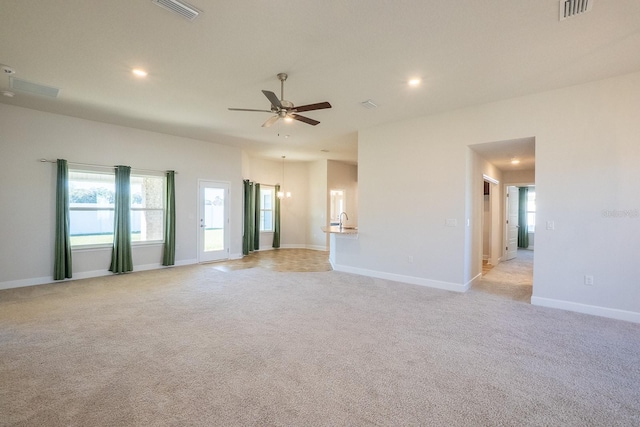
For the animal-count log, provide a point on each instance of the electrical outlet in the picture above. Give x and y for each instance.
(551, 225)
(410, 259)
(588, 280)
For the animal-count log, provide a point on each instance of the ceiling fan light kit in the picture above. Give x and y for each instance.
(283, 109)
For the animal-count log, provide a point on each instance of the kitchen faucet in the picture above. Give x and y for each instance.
(346, 216)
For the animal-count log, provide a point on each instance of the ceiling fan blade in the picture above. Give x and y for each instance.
(270, 121)
(309, 107)
(272, 98)
(304, 119)
(247, 109)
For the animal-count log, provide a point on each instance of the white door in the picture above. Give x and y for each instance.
(513, 204)
(213, 225)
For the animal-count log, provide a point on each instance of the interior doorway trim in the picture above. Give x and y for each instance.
(490, 179)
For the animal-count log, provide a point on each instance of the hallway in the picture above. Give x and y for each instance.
(511, 279)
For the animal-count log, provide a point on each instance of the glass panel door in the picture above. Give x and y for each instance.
(213, 241)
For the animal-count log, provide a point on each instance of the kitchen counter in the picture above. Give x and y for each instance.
(334, 229)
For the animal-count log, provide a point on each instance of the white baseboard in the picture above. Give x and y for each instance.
(447, 286)
(312, 247)
(612, 313)
(473, 281)
(186, 262)
(35, 281)
(317, 248)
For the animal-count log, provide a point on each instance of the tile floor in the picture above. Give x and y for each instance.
(290, 260)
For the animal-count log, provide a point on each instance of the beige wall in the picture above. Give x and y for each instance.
(344, 176)
(587, 154)
(317, 218)
(294, 210)
(27, 188)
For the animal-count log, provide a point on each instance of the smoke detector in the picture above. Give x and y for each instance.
(571, 8)
(7, 70)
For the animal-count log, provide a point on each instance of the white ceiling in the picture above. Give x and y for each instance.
(344, 52)
(501, 153)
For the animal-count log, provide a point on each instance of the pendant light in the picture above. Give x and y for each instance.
(281, 194)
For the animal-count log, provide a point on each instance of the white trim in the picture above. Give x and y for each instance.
(491, 180)
(311, 247)
(318, 248)
(22, 283)
(612, 313)
(35, 281)
(472, 281)
(293, 246)
(448, 286)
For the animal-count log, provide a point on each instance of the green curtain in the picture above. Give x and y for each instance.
(256, 222)
(276, 220)
(121, 260)
(62, 254)
(169, 254)
(523, 230)
(247, 217)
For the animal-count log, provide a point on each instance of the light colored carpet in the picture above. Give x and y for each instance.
(199, 346)
(511, 279)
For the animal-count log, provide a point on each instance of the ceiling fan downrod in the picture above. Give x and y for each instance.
(282, 77)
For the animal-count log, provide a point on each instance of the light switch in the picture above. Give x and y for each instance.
(551, 225)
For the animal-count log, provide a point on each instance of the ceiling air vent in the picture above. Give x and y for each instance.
(33, 88)
(369, 104)
(571, 8)
(180, 8)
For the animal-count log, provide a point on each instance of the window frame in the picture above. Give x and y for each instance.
(95, 171)
(163, 209)
(272, 190)
(107, 171)
(531, 227)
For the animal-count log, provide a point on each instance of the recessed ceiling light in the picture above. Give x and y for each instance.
(515, 161)
(139, 72)
(414, 82)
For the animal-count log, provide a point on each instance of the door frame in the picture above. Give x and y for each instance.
(227, 221)
(508, 226)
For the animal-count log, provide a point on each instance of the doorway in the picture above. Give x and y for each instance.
(498, 266)
(213, 224)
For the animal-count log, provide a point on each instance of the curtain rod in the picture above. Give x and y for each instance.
(261, 183)
(101, 166)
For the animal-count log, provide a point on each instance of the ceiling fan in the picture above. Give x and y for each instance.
(285, 109)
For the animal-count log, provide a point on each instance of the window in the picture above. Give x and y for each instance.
(337, 205)
(92, 206)
(147, 208)
(266, 208)
(531, 210)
